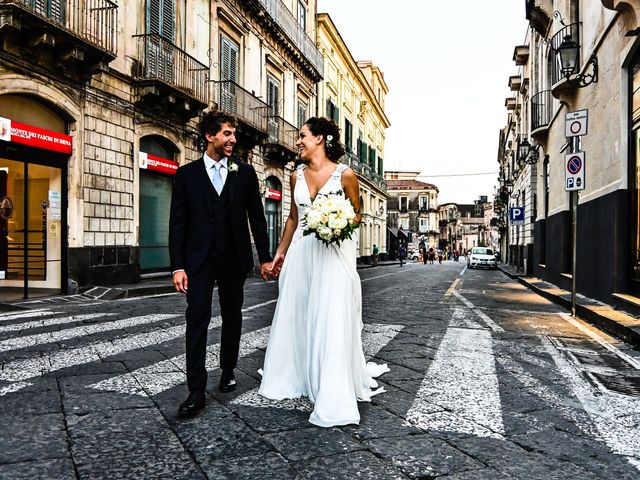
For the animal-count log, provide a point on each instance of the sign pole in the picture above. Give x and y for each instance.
(574, 249)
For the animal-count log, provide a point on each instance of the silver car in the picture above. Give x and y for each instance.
(481, 257)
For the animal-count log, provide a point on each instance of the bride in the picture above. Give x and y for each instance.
(315, 345)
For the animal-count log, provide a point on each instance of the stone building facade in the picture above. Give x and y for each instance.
(583, 55)
(412, 208)
(353, 95)
(99, 106)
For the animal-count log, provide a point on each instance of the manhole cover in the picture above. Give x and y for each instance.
(619, 384)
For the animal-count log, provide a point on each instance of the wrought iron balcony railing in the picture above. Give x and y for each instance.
(541, 109)
(93, 21)
(161, 60)
(282, 133)
(296, 33)
(232, 98)
(363, 169)
(568, 33)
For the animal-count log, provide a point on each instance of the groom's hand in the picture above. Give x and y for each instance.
(180, 281)
(265, 269)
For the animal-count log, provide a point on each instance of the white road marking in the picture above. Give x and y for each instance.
(26, 368)
(29, 314)
(130, 299)
(47, 322)
(404, 269)
(634, 362)
(615, 416)
(374, 338)
(162, 376)
(483, 316)
(462, 380)
(59, 335)
(463, 270)
(461, 319)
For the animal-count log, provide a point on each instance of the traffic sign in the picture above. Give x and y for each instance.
(516, 215)
(574, 171)
(576, 123)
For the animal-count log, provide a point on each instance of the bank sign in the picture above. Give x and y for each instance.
(16, 132)
(516, 216)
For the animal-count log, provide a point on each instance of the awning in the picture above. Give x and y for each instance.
(396, 232)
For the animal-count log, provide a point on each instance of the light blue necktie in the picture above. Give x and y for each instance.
(217, 178)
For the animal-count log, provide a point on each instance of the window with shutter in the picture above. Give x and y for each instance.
(159, 57)
(302, 113)
(229, 52)
(348, 135)
(380, 167)
(161, 18)
(273, 100)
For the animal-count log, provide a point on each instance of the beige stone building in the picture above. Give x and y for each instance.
(412, 210)
(580, 55)
(99, 104)
(353, 95)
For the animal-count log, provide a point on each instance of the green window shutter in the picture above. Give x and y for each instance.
(228, 60)
(380, 166)
(161, 18)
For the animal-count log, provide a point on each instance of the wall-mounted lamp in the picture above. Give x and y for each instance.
(523, 149)
(509, 185)
(569, 52)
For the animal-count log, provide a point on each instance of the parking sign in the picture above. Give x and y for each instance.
(516, 215)
(574, 171)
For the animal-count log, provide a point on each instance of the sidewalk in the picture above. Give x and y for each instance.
(622, 325)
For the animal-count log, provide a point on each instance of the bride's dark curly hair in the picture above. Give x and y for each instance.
(325, 127)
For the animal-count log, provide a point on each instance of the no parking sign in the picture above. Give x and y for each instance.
(574, 171)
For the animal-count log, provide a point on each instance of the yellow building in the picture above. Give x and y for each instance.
(353, 94)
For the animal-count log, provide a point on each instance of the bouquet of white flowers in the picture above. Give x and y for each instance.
(330, 218)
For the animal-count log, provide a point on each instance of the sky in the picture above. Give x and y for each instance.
(447, 66)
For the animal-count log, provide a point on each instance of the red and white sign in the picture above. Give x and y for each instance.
(273, 194)
(157, 164)
(12, 131)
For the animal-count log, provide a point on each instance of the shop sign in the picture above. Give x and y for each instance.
(273, 194)
(157, 164)
(55, 205)
(12, 131)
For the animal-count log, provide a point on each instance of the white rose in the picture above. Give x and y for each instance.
(314, 217)
(337, 222)
(329, 206)
(337, 232)
(325, 233)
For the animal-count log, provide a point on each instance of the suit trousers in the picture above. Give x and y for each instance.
(230, 280)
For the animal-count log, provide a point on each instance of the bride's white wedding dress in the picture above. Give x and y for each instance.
(315, 345)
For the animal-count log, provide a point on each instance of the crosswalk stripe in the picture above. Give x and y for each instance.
(170, 373)
(462, 380)
(30, 314)
(615, 416)
(26, 368)
(59, 335)
(374, 338)
(47, 322)
(483, 316)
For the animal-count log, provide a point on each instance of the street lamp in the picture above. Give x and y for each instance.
(568, 52)
(523, 149)
(509, 185)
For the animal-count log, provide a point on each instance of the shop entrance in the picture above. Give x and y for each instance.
(32, 238)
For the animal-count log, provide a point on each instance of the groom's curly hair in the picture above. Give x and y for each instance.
(325, 127)
(212, 122)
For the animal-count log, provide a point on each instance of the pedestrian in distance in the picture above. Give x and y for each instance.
(209, 243)
(320, 297)
(432, 255)
(402, 253)
(375, 255)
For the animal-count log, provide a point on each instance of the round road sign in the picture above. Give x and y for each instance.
(574, 165)
(575, 127)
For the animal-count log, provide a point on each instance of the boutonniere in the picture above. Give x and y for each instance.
(232, 166)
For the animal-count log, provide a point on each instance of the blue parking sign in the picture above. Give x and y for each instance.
(516, 215)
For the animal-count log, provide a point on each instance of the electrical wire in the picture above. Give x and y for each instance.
(458, 175)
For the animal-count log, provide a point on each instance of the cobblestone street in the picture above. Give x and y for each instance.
(487, 381)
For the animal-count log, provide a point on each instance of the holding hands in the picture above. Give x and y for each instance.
(272, 268)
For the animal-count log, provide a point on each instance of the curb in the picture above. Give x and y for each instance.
(601, 316)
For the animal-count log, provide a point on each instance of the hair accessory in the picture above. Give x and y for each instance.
(329, 140)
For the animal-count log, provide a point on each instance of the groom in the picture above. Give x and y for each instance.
(209, 243)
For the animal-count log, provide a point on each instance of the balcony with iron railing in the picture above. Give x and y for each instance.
(542, 110)
(287, 25)
(363, 170)
(280, 146)
(230, 97)
(81, 34)
(169, 80)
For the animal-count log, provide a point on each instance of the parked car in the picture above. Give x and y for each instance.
(481, 257)
(413, 255)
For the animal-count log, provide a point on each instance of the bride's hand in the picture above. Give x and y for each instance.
(277, 264)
